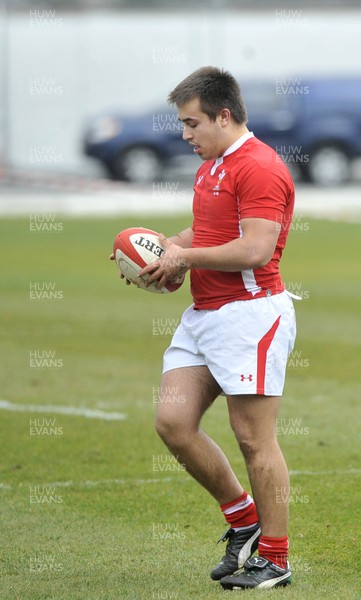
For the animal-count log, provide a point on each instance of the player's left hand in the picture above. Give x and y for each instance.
(169, 267)
(112, 257)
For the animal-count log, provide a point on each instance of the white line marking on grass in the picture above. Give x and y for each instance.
(91, 483)
(94, 483)
(334, 472)
(63, 410)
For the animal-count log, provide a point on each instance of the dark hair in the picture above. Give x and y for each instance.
(216, 89)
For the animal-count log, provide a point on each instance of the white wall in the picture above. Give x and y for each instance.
(64, 67)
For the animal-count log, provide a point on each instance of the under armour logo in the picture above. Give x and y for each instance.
(244, 377)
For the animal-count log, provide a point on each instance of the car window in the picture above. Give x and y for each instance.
(261, 97)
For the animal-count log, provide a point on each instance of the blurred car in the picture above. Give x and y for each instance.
(137, 148)
(314, 124)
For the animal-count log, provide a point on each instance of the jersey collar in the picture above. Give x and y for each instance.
(238, 143)
(235, 146)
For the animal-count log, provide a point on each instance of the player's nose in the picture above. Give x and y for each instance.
(187, 133)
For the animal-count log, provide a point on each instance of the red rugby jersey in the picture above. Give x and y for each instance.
(249, 180)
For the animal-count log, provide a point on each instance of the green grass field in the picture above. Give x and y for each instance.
(96, 509)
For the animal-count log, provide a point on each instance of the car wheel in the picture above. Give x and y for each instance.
(139, 164)
(329, 165)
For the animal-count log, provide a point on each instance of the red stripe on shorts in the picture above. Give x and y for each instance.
(262, 350)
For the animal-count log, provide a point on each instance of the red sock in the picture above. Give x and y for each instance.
(274, 549)
(241, 512)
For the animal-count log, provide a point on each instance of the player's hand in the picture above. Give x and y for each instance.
(169, 267)
(127, 281)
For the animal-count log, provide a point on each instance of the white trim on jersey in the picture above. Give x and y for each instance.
(237, 144)
(250, 282)
(248, 277)
(217, 162)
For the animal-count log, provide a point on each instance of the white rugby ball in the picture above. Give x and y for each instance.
(136, 247)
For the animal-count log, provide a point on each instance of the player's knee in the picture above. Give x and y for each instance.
(254, 449)
(245, 437)
(248, 445)
(168, 428)
(161, 428)
(248, 448)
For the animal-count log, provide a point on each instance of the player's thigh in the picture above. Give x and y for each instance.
(184, 395)
(253, 418)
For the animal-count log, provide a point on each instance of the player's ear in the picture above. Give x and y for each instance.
(225, 116)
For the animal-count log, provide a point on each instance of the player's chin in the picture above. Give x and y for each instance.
(205, 154)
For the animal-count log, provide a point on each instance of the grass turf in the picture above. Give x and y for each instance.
(124, 521)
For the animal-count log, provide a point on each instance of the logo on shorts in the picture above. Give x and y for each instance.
(248, 377)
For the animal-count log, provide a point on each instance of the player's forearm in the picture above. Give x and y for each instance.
(236, 255)
(183, 239)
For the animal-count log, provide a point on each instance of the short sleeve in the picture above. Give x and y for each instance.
(263, 190)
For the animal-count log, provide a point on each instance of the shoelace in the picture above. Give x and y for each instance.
(231, 537)
(227, 535)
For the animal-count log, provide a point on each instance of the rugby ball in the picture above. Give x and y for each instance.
(136, 247)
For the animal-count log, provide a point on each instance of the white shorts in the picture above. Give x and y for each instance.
(245, 344)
